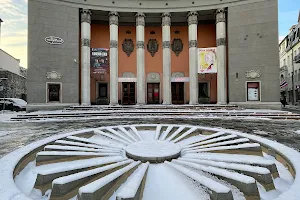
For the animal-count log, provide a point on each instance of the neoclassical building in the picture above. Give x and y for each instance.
(90, 52)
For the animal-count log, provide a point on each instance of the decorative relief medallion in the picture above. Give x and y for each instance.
(128, 75)
(128, 46)
(193, 43)
(86, 15)
(140, 44)
(221, 15)
(166, 44)
(221, 42)
(177, 74)
(153, 77)
(152, 46)
(86, 42)
(140, 19)
(253, 74)
(192, 18)
(113, 18)
(53, 75)
(177, 46)
(166, 19)
(113, 44)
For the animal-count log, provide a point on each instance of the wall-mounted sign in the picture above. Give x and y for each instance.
(207, 60)
(253, 91)
(99, 60)
(54, 40)
(122, 79)
(180, 79)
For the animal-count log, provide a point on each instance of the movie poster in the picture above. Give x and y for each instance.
(207, 60)
(99, 60)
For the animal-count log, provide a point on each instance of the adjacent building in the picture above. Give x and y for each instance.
(152, 52)
(289, 52)
(12, 77)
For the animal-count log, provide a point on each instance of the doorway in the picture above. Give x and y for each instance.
(128, 93)
(153, 93)
(203, 93)
(102, 94)
(177, 93)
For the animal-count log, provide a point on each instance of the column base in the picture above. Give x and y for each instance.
(193, 103)
(85, 104)
(114, 104)
(221, 103)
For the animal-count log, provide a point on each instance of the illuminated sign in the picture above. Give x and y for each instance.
(180, 79)
(54, 40)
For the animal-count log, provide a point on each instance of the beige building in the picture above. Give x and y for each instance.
(289, 50)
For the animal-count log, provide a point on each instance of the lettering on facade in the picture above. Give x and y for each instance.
(152, 46)
(53, 40)
(177, 46)
(128, 46)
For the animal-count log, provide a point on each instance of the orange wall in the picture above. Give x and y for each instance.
(206, 38)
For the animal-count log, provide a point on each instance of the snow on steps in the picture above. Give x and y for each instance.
(66, 187)
(217, 190)
(244, 183)
(89, 141)
(234, 158)
(105, 186)
(211, 139)
(74, 148)
(47, 157)
(261, 174)
(116, 138)
(80, 144)
(229, 142)
(245, 149)
(47, 173)
(134, 186)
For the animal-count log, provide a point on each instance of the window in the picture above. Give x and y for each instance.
(296, 77)
(53, 92)
(253, 91)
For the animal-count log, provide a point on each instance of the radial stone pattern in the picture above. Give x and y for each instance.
(116, 162)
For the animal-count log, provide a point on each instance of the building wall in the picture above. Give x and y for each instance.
(9, 63)
(180, 63)
(253, 45)
(14, 86)
(47, 19)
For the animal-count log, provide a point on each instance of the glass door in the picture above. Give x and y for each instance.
(153, 93)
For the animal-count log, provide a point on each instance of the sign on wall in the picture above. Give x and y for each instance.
(180, 79)
(99, 60)
(207, 60)
(54, 40)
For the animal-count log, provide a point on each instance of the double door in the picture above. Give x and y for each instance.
(128, 93)
(177, 93)
(153, 93)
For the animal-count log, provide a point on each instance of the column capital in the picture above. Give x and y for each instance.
(166, 44)
(166, 19)
(221, 42)
(140, 44)
(113, 44)
(85, 42)
(220, 15)
(113, 18)
(140, 19)
(193, 43)
(86, 15)
(192, 17)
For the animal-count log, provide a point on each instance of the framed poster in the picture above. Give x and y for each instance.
(253, 91)
(99, 60)
(207, 60)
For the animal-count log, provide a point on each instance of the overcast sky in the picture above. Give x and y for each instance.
(14, 28)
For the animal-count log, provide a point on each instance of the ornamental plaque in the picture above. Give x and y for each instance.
(152, 46)
(177, 46)
(253, 74)
(128, 46)
(53, 75)
(54, 40)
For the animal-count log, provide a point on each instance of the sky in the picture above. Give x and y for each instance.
(14, 28)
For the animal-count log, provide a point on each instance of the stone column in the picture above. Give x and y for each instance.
(193, 52)
(166, 37)
(85, 56)
(113, 57)
(221, 55)
(140, 58)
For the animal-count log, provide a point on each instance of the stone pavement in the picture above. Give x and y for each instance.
(16, 135)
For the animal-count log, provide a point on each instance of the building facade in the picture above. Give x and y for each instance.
(12, 77)
(153, 52)
(289, 50)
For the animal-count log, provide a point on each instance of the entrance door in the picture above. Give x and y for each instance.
(203, 93)
(128, 93)
(102, 94)
(177, 93)
(153, 93)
